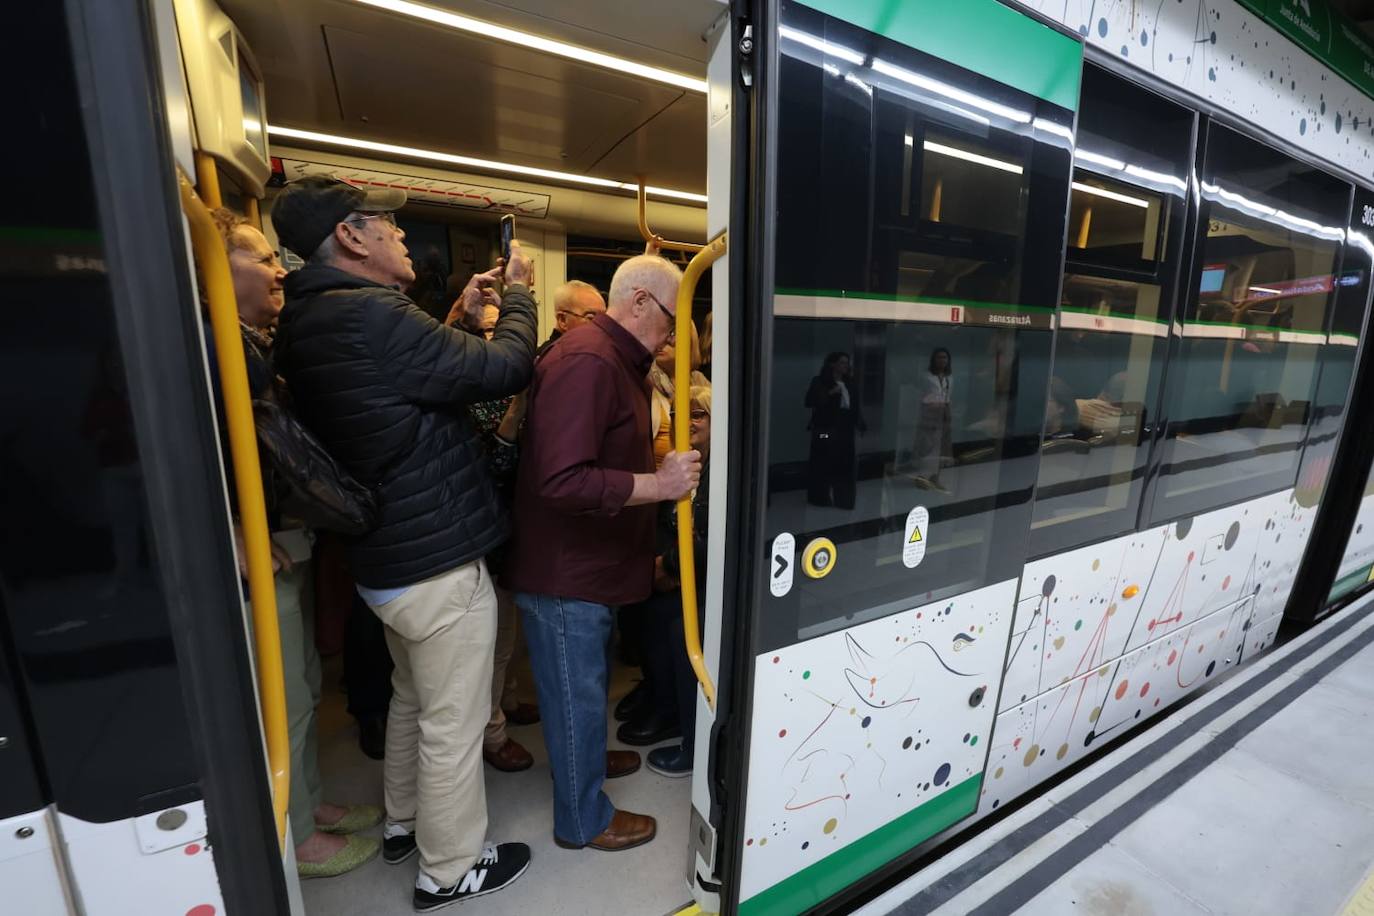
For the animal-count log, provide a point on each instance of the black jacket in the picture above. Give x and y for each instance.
(386, 387)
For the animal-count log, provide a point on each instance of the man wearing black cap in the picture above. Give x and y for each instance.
(385, 386)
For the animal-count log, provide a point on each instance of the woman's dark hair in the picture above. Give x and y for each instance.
(830, 361)
(949, 361)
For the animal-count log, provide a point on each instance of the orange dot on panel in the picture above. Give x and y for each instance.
(782, 733)
(1173, 656)
(1145, 689)
(1190, 556)
(192, 848)
(1130, 591)
(1121, 689)
(1225, 583)
(203, 909)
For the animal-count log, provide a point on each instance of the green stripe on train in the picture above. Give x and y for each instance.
(822, 880)
(914, 300)
(979, 35)
(1349, 583)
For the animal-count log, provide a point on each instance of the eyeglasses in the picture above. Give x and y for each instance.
(585, 316)
(672, 319)
(386, 216)
(698, 414)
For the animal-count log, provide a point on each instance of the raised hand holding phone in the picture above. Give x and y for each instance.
(519, 269)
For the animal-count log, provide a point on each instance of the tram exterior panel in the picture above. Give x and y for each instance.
(883, 721)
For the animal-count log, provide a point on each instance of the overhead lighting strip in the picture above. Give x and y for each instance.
(392, 149)
(537, 43)
(1110, 195)
(999, 164)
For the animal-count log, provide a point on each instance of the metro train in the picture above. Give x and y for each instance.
(1039, 362)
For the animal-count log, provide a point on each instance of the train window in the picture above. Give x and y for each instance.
(1264, 277)
(1122, 257)
(912, 322)
(1337, 366)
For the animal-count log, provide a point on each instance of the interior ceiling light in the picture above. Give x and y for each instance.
(1110, 195)
(392, 149)
(537, 43)
(972, 157)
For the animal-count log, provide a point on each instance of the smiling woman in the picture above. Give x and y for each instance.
(255, 268)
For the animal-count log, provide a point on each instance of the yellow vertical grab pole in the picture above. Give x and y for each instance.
(243, 446)
(207, 180)
(253, 212)
(682, 399)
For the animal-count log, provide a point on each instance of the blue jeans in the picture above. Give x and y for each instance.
(567, 641)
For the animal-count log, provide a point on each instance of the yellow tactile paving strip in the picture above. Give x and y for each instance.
(1362, 901)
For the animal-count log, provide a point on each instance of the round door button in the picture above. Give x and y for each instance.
(818, 559)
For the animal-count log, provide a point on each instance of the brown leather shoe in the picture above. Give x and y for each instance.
(509, 757)
(621, 763)
(626, 831)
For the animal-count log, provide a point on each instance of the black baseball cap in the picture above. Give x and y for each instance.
(308, 209)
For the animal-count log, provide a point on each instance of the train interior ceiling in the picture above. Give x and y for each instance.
(368, 71)
(334, 72)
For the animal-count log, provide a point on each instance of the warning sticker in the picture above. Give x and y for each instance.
(917, 534)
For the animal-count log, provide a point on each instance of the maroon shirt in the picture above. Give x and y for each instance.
(586, 436)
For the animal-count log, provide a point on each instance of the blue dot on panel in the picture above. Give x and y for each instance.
(1302, 126)
(1102, 27)
(1144, 38)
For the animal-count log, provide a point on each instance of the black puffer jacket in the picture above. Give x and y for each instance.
(386, 388)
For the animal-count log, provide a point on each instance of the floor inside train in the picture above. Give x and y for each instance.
(646, 880)
(1255, 799)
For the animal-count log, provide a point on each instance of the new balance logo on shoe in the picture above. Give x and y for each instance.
(498, 867)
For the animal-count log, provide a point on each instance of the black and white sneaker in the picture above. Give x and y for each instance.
(396, 849)
(498, 867)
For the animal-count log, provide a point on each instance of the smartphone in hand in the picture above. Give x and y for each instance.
(507, 235)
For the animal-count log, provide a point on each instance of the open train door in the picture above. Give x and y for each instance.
(895, 179)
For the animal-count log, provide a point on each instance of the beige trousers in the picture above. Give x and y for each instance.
(441, 633)
(502, 678)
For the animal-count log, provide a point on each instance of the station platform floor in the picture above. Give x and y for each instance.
(1256, 798)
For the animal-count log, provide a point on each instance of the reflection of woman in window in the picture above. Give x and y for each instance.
(933, 448)
(834, 419)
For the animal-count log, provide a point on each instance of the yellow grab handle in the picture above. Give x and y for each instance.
(682, 400)
(243, 446)
(649, 236)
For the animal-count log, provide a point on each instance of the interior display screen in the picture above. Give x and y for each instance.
(254, 127)
(1212, 279)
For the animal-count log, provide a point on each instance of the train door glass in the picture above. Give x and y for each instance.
(1352, 301)
(1126, 219)
(918, 249)
(1263, 280)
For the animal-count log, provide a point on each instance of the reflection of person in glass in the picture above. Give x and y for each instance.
(933, 448)
(834, 419)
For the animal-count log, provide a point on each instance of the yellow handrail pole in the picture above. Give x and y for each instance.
(207, 180)
(682, 400)
(243, 446)
(649, 236)
(252, 211)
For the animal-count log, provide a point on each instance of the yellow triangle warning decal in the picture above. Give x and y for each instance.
(915, 535)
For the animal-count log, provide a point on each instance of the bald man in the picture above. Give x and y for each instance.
(584, 533)
(574, 304)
